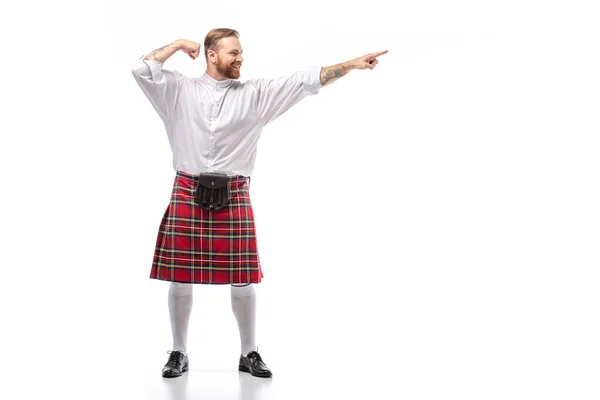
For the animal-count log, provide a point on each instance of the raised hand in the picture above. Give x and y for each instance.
(189, 47)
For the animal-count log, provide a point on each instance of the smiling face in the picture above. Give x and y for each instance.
(227, 58)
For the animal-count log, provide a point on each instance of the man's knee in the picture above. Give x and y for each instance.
(242, 289)
(180, 289)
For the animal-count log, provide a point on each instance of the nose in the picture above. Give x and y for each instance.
(240, 58)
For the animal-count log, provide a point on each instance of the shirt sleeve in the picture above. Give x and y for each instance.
(161, 87)
(276, 96)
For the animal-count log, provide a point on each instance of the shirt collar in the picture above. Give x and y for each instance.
(213, 82)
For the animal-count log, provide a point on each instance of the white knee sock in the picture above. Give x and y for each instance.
(243, 303)
(180, 308)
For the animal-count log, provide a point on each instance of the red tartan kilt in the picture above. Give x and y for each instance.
(198, 246)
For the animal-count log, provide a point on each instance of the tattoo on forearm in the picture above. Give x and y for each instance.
(332, 73)
(152, 55)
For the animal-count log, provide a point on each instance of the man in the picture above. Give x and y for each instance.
(213, 124)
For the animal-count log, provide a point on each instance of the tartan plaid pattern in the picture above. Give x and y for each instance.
(199, 246)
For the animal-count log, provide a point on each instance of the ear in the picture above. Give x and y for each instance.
(212, 56)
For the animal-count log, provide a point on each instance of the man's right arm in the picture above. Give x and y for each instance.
(161, 55)
(160, 86)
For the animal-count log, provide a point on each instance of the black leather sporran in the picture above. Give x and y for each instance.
(212, 193)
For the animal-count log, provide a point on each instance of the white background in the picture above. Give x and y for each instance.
(457, 254)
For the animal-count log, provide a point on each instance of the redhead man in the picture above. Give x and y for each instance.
(213, 122)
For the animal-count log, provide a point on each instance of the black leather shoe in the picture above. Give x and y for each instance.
(254, 365)
(178, 363)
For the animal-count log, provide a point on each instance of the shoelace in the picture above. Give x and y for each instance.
(254, 356)
(173, 357)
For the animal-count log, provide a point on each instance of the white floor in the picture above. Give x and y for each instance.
(392, 341)
(300, 340)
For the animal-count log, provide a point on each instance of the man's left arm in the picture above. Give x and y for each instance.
(334, 72)
(275, 96)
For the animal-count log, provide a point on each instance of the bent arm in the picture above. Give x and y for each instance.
(163, 53)
(162, 87)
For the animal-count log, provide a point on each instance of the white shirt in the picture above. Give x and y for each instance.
(215, 125)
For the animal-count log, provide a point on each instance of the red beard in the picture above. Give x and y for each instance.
(228, 70)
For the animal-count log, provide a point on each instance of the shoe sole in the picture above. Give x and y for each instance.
(246, 369)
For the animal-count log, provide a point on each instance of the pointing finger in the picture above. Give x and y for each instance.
(379, 53)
